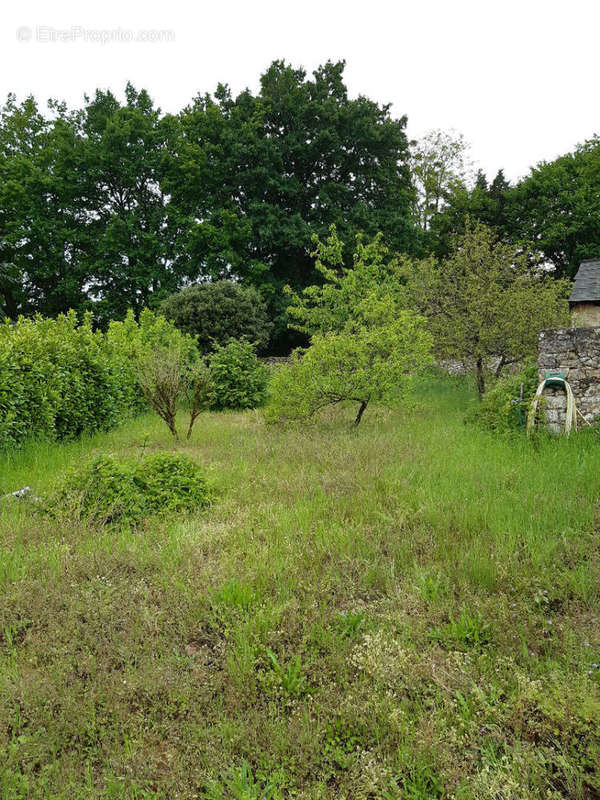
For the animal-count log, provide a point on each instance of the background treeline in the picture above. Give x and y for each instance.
(116, 206)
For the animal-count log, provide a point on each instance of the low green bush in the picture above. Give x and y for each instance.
(109, 490)
(239, 380)
(504, 406)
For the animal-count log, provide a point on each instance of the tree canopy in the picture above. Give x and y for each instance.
(486, 302)
(371, 360)
(116, 205)
(262, 174)
(440, 167)
(330, 305)
(557, 207)
(554, 212)
(365, 345)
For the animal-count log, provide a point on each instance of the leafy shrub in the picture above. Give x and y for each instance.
(239, 380)
(161, 376)
(106, 490)
(501, 409)
(166, 378)
(130, 343)
(220, 311)
(163, 364)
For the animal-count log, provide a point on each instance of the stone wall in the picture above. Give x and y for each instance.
(576, 353)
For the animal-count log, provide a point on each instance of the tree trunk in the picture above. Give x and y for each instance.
(193, 417)
(170, 420)
(480, 378)
(10, 305)
(361, 411)
(500, 366)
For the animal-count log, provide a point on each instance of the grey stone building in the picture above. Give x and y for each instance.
(584, 301)
(575, 351)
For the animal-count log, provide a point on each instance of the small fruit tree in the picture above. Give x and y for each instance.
(365, 345)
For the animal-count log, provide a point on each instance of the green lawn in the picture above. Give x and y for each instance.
(408, 609)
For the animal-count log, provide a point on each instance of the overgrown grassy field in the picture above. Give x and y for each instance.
(408, 609)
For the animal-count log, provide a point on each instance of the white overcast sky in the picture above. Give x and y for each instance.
(519, 78)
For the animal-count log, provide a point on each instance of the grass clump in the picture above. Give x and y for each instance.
(420, 783)
(109, 490)
(239, 783)
(290, 678)
(468, 630)
(235, 594)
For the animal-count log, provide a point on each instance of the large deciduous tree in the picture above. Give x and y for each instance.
(116, 205)
(132, 262)
(83, 219)
(557, 207)
(42, 217)
(259, 175)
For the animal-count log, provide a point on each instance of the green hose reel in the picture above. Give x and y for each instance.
(555, 378)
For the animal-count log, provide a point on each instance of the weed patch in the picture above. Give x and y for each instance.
(466, 631)
(107, 490)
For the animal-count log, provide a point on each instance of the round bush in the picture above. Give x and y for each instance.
(220, 311)
(239, 380)
(107, 490)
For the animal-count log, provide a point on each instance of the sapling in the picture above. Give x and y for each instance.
(161, 375)
(167, 378)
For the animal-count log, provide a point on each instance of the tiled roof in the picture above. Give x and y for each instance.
(587, 282)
